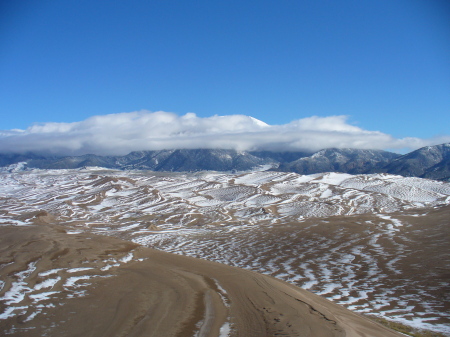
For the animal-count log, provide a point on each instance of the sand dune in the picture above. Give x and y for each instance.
(60, 284)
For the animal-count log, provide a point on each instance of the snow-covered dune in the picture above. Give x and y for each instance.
(354, 239)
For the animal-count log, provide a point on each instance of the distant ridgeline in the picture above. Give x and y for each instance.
(431, 162)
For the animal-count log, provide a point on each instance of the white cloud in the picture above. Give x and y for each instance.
(118, 134)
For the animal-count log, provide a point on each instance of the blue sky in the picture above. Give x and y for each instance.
(384, 64)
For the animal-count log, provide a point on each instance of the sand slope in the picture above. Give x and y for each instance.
(57, 284)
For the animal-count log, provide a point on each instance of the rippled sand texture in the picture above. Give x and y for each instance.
(377, 244)
(358, 262)
(57, 284)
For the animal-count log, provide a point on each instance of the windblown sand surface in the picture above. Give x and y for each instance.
(60, 284)
(376, 244)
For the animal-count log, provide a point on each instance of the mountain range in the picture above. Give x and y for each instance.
(431, 162)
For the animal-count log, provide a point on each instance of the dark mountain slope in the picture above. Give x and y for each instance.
(14, 158)
(72, 162)
(431, 162)
(192, 160)
(281, 157)
(164, 160)
(352, 161)
(205, 159)
(143, 160)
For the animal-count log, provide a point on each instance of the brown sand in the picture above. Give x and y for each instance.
(161, 295)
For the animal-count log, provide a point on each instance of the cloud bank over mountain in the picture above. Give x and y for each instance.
(118, 134)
